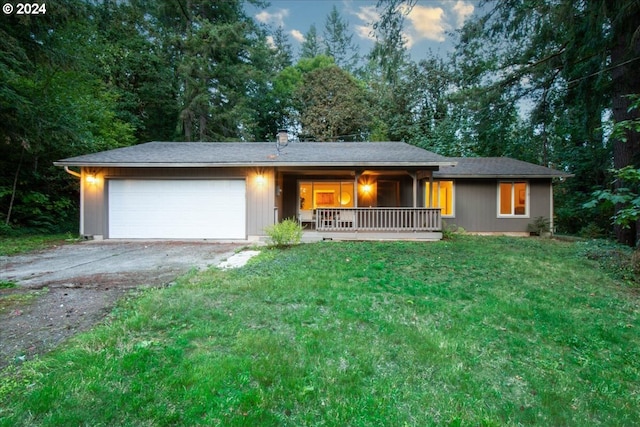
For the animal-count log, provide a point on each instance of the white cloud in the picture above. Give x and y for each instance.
(422, 22)
(428, 22)
(297, 35)
(368, 15)
(276, 17)
(462, 11)
(270, 42)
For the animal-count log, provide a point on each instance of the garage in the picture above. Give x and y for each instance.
(177, 209)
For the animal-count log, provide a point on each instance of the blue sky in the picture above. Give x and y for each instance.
(426, 26)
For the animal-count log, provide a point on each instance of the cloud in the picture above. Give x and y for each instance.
(297, 35)
(462, 11)
(368, 15)
(422, 22)
(428, 22)
(271, 42)
(276, 17)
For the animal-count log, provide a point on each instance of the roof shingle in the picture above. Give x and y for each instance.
(496, 167)
(218, 154)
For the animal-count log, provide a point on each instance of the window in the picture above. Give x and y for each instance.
(513, 199)
(325, 194)
(442, 197)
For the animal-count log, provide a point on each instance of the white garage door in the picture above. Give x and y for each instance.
(177, 209)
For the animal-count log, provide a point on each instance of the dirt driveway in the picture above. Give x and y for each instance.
(69, 288)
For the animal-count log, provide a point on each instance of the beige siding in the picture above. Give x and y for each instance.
(476, 206)
(260, 195)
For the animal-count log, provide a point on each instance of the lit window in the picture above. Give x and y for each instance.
(513, 199)
(442, 197)
(325, 194)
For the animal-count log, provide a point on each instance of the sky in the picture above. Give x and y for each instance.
(427, 26)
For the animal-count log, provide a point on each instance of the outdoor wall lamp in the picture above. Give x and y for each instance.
(366, 188)
(91, 179)
(260, 179)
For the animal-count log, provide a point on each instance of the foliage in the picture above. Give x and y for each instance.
(626, 197)
(285, 233)
(539, 226)
(338, 41)
(620, 261)
(476, 331)
(332, 105)
(4, 284)
(18, 242)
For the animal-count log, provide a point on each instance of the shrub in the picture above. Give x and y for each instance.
(539, 226)
(285, 233)
(450, 230)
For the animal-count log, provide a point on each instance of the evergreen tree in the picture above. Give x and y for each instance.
(338, 41)
(311, 44)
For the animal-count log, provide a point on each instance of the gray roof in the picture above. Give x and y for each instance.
(496, 167)
(220, 154)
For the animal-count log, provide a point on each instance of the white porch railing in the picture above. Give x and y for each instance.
(378, 219)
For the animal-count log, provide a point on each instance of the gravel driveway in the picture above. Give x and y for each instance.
(72, 287)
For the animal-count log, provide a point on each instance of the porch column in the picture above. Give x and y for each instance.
(431, 190)
(414, 176)
(355, 189)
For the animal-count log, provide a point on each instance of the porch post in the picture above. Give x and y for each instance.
(414, 175)
(431, 189)
(355, 189)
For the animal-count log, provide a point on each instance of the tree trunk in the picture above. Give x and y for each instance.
(625, 82)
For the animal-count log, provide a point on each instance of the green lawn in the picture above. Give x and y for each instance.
(12, 245)
(466, 332)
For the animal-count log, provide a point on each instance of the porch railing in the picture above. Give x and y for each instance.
(378, 219)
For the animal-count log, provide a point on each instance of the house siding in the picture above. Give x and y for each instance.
(260, 202)
(476, 206)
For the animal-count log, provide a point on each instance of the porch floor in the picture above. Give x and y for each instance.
(314, 236)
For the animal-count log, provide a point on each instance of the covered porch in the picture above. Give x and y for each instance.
(374, 224)
(361, 205)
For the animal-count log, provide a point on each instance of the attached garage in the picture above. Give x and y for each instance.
(177, 208)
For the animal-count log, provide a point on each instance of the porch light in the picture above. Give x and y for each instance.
(366, 188)
(260, 179)
(91, 179)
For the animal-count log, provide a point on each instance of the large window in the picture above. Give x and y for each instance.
(442, 197)
(513, 198)
(325, 194)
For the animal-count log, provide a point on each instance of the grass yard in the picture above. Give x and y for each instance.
(466, 332)
(12, 245)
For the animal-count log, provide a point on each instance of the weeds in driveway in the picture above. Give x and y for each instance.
(470, 331)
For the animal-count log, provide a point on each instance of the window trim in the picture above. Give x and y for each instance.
(429, 187)
(527, 201)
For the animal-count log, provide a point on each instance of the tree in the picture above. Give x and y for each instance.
(332, 105)
(559, 59)
(220, 60)
(311, 44)
(52, 106)
(389, 53)
(338, 41)
(282, 52)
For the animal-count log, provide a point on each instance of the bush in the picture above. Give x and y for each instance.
(450, 230)
(539, 226)
(285, 233)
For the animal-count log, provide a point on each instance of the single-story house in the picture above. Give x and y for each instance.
(349, 190)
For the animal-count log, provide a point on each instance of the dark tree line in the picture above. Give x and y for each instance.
(543, 81)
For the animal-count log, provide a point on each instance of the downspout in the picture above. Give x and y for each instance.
(70, 172)
(78, 175)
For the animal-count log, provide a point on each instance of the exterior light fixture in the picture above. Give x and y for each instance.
(366, 188)
(260, 179)
(91, 179)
